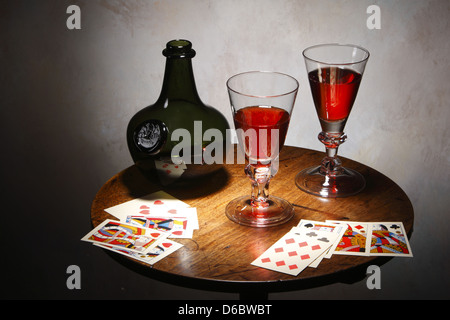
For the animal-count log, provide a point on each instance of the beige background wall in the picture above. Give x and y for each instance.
(67, 95)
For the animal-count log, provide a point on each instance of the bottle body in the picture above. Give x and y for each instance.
(150, 132)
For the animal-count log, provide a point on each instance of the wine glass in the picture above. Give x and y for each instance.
(334, 73)
(261, 103)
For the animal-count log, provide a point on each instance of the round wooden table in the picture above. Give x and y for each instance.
(218, 256)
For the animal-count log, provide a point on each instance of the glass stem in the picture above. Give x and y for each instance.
(259, 176)
(331, 164)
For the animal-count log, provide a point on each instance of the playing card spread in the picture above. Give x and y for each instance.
(389, 239)
(295, 251)
(146, 223)
(125, 236)
(144, 226)
(310, 241)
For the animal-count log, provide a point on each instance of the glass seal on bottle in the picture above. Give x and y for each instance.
(150, 136)
(178, 106)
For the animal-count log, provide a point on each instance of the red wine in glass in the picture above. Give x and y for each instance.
(334, 72)
(261, 104)
(262, 131)
(334, 91)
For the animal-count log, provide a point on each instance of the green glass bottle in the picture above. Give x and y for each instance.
(154, 132)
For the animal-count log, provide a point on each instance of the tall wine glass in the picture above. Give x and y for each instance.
(334, 73)
(261, 103)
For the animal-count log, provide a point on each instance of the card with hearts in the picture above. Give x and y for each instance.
(124, 236)
(155, 202)
(144, 226)
(295, 251)
(158, 204)
(389, 239)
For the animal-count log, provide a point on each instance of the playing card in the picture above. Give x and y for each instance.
(168, 172)
(151, 203)
(319, 226)
(122, 235)
(336, 229)
(158, 252)
(389, 239)
(190, 214)
(294, 251)
(176, 227)
(162, 250)
(355, 240)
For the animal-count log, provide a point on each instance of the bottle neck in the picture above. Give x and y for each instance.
(179, 82)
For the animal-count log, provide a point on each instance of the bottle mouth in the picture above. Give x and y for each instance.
(179, 48)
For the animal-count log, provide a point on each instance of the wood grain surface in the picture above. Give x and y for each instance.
(218, 256)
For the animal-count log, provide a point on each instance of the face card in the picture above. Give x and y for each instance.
(125, 236)
(154, 202)
(293, 252)
(355, 240)
(176, 227)
(160, 251)
(190, 214)
(389, 239)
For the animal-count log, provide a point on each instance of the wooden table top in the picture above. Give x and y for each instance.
(218, 256)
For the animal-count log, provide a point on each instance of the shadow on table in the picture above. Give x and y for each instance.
(140, 183)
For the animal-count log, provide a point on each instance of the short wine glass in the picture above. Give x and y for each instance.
(261, 103)
(334, 73)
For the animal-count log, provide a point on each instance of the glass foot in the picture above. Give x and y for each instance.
(241, 211)
(349, 183)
